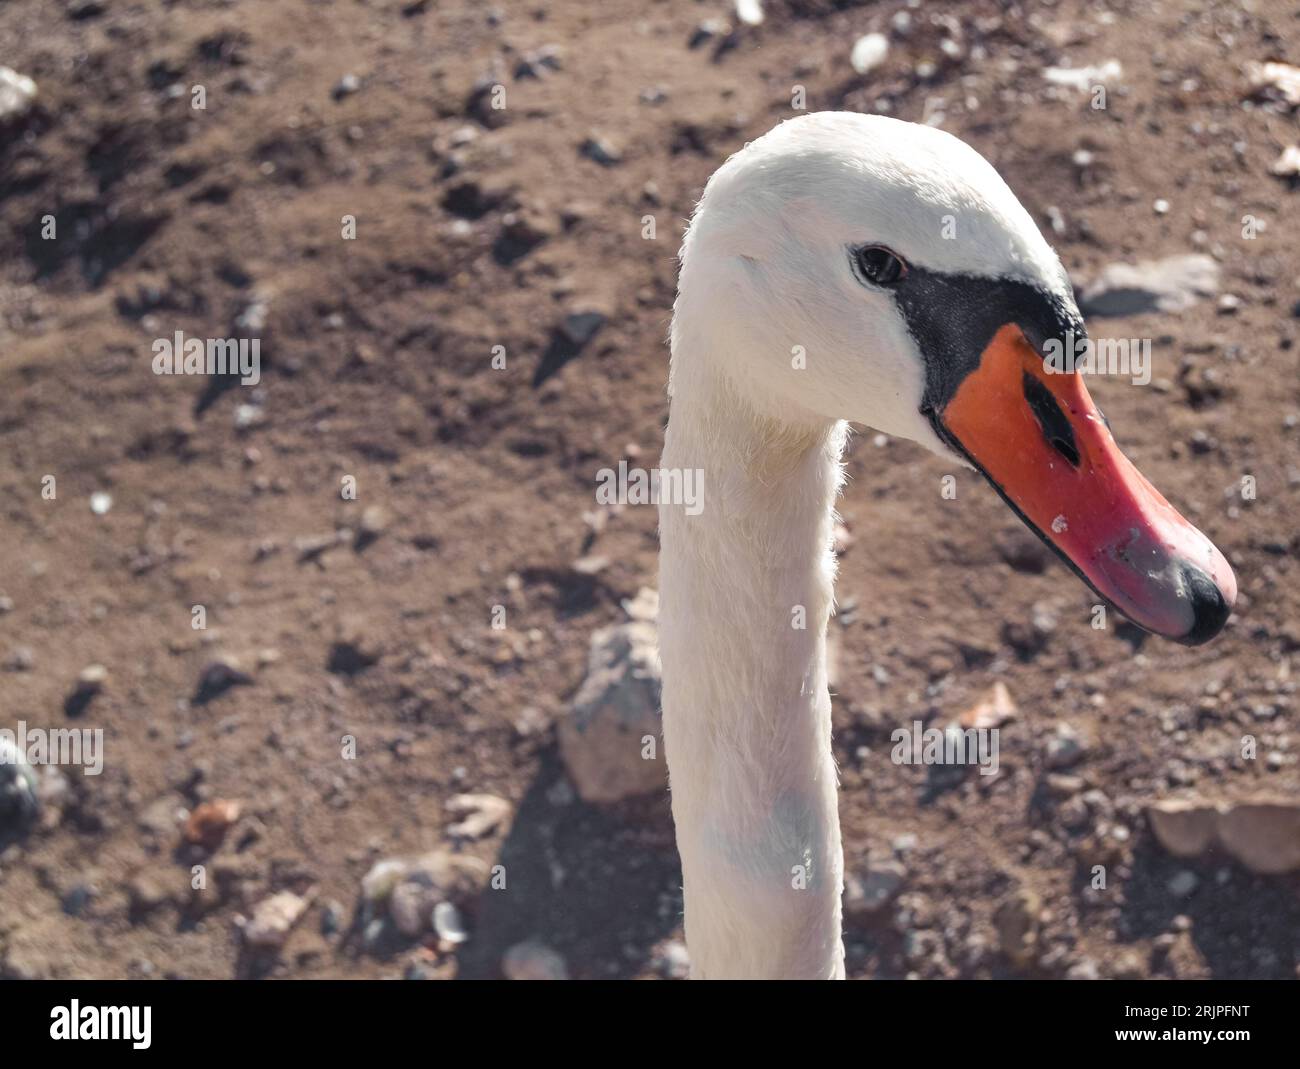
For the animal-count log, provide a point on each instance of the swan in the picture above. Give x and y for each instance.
(841, 269)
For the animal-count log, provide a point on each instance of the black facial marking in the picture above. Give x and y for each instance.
(1056, 426)
(953, 317)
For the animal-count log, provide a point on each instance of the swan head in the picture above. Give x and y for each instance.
(860, 268)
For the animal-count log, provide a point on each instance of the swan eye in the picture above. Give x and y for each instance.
(876, 264)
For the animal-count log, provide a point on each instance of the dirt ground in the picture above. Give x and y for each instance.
(479, 227)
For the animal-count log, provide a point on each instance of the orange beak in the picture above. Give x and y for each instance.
(1042, 443)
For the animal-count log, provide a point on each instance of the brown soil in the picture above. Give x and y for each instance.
(378, 365)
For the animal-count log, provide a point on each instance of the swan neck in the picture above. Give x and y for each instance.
(746, 588)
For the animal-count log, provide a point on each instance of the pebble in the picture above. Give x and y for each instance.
(1278, 80)
(600, 150)
(536, 64)
(75, 899)
(1065, 747)
(482, 814)
(709, 30)
(378, 883)
(17, 95)
(449, 924)
(993, 710)
(374, 521)
(532, 960)
(208, 823)
(273, 919)
(92, 678)
(346, 86)
(1016, 921)
(1171, 284)
(615, 708)
(1183, 884)
(876, 888)
(218, 676)
(1286, 165)
(145, 894)
(355, 647)
(580, 327)
(332, 916)
(673, 961)
(869, 52)
(1084, 78)
(20, 659)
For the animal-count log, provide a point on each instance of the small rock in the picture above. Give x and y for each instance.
(645, 606)
(90, 682)
(346, 86)
(870, 893)
(523, 231)
(75, 899)
(17, 95)
(449, 924)
(374, 522)
(533, 961)
(1280, 81)
(1016, 921)
(615, 709)
(208, 824)
(20, 659)
(580, 327)
(332, 916)
(1286, 165)
(1168, 285)
(1184, 828)
(709, 30)
(92, 678)
(378, 883)
(1085, 969)
(1029, 640)
(217, 677)
(869, 52)
(273, 919)
(993, 710)
(673, 961)
(482, 814)
(536, 64)
(1085, 78)
(252, 318)
(1065, 747)
(1263, 836)
(355, 647)
(1183, 884)
(411, 904)
(600, 150)
(145, 894)
(1023, 551)
(20, 799)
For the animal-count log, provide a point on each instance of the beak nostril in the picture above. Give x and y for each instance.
(1054, 423)
(1067, 450)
